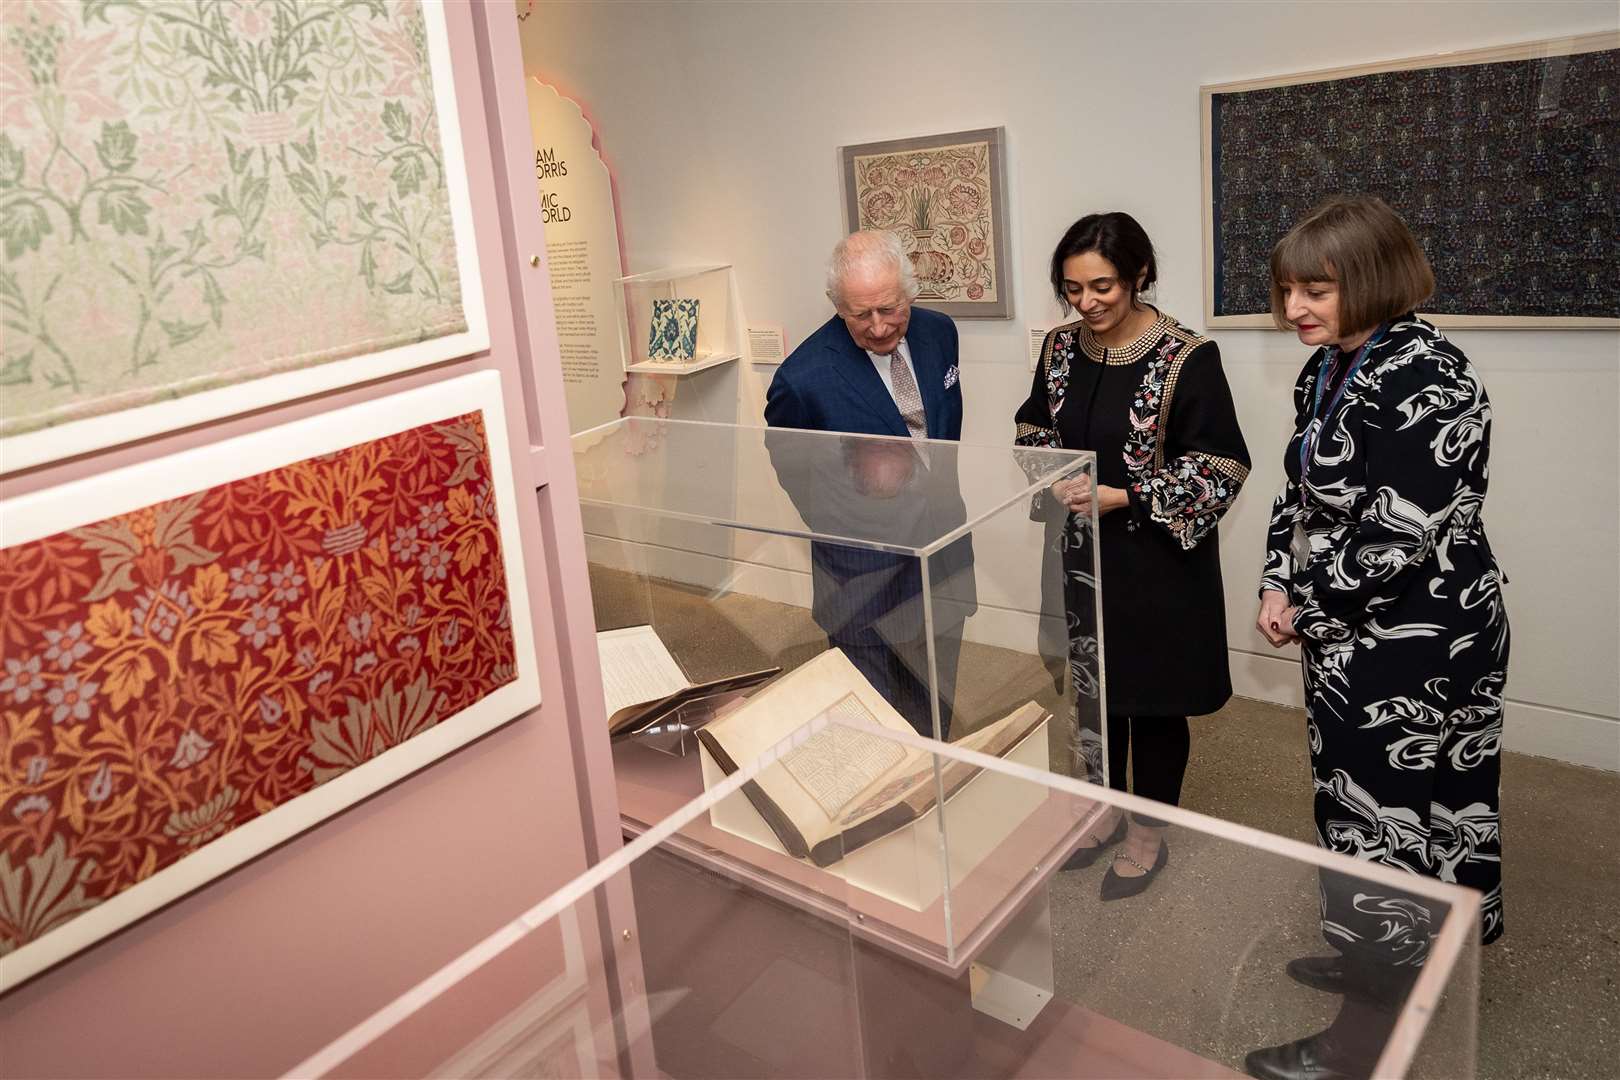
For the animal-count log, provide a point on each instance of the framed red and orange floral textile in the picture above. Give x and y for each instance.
(204, 654)
(210, 208)
(943, 196)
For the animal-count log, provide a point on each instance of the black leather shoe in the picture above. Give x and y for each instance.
(1369, 983)
(1088, 855)
(1115, 887)
(1314, 1057)
(1324, 973)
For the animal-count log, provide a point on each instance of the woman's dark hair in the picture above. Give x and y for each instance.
(1116, 237)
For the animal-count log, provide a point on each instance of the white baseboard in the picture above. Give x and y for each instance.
(1540, 730)
(701, 569)
(1581, 738)
(1267, 678)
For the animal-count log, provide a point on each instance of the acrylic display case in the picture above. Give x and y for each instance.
(932, 566)
(694, 952)
(679, 320)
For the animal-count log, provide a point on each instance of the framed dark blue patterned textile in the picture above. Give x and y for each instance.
(1505, 162)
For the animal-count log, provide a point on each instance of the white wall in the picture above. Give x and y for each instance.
(722, 124)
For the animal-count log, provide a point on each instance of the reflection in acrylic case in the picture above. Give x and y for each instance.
(786, 533)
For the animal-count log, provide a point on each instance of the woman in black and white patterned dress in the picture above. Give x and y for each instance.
(1378, 566)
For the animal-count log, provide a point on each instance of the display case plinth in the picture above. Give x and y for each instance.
(1013, 978)
(734, 960)
(652, 786)
(912, 1021)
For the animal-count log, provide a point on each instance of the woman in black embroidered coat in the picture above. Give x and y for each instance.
(1378, 566)
(1149, 397)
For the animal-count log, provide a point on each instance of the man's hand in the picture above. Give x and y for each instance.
(1076, 496)
(1276, 619)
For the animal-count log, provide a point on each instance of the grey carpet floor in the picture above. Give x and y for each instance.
(1197, 959)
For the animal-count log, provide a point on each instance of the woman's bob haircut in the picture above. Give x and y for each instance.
(1358, 242)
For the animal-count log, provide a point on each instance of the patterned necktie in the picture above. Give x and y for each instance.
(906, 396)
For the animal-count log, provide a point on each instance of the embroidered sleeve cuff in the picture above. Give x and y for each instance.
(1031, 435)
(1188, 496)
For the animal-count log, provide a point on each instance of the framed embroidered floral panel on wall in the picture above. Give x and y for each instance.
(207, 209)
(943, 196)
(1503, 162)
(204, 654)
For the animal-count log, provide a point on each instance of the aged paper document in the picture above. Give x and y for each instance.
(636, 667)
(847, 784)
(838, 763)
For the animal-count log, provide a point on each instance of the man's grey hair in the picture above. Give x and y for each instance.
(870, 249)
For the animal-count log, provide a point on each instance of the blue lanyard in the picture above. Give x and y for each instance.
(1318, 420)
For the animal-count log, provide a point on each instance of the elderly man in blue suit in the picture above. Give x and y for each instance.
(881, 367)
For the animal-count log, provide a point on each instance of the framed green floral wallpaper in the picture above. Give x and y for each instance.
(210, 206)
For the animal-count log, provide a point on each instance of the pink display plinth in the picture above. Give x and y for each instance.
(652, 786)
(777, 994)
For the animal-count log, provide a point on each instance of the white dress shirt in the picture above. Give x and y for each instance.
(881, 362)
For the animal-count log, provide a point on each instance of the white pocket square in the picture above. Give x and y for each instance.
(951, 375)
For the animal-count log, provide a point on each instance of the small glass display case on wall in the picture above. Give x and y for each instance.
(678, 320)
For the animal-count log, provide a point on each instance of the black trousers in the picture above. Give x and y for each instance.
(899, 671)
(1156, 748)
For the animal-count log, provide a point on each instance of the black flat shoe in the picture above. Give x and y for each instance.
(1115, 887)
(1314, 1057)
(1324, 973)
(1088, 855)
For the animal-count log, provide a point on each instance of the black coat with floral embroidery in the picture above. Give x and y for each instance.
(1159, 415)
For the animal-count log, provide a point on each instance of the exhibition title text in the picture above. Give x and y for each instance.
(546, 167)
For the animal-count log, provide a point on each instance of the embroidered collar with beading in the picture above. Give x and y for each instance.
(1128, 354)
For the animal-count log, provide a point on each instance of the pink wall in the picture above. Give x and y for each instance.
(258, 969)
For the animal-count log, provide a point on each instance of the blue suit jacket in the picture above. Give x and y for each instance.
(830, 384)
(861, 596)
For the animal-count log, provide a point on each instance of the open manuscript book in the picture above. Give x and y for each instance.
(644, 687)
(847, 785)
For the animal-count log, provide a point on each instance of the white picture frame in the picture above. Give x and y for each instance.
(40, 514)
(76, 437)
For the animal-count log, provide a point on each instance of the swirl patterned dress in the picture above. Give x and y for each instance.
(1159, 415)
(1404, 632)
